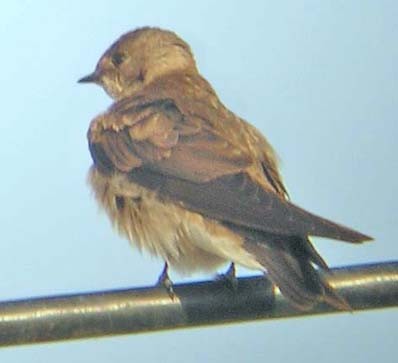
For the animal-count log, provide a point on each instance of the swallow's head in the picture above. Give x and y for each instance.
(139, 57)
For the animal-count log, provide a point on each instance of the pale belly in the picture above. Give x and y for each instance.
(186, 240)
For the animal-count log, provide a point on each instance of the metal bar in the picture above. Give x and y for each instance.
(115, 312)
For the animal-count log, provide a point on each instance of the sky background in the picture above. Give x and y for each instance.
(319, 79)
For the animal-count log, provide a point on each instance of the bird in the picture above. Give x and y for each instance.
(185, 179)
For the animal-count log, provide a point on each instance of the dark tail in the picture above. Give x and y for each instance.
(289, 263)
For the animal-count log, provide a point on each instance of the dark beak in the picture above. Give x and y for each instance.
(91, 78)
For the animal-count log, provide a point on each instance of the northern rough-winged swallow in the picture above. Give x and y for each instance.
(186, 179)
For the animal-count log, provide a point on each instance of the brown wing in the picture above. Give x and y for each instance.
(188, 162)
(157, 136)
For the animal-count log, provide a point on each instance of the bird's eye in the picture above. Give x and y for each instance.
(117, 59)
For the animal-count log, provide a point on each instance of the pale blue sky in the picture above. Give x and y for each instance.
(318, 78)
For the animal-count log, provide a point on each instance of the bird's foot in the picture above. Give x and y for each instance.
(229, 277)
(165, 281)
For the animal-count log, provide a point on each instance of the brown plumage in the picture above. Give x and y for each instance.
(186, 179)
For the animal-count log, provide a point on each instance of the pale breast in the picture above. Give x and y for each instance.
(186, 240)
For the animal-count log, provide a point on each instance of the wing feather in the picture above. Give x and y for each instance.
(177, 154)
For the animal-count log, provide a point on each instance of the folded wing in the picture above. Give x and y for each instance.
(188, 162)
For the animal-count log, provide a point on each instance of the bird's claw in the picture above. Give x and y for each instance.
(229, 277)
(165, 282)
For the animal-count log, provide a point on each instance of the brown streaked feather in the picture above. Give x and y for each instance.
(272, 175)
(203, 169)
(290, 268)
(193, 105)
(167, 141)
(238, 200)
(289, 262)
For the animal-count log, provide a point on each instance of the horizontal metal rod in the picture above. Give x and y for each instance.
(114, 312)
